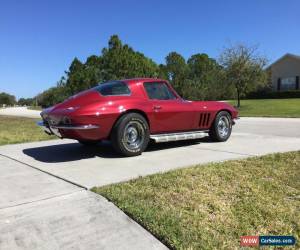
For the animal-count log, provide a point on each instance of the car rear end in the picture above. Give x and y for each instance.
(73, 118)
(87, 116)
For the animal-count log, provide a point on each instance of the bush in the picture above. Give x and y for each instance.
(51, 96)
(7, 99)
(273, 95)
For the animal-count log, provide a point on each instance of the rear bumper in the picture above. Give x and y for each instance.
(55, 129)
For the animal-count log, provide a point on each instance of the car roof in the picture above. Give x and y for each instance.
(135, 80)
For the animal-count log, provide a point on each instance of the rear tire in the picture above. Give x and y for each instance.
(221, 128)
(130, 135)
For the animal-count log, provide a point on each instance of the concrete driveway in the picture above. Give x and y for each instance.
(20, 111)
(39, 211)
(99, 165)
(44, 203)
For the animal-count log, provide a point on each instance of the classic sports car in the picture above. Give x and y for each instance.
(131, 112)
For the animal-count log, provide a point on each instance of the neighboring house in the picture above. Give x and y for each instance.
(285, 73)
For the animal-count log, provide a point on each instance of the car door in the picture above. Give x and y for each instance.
(169, 112)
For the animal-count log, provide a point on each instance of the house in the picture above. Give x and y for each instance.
(285, 73)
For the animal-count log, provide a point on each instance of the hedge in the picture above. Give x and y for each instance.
(274, 95)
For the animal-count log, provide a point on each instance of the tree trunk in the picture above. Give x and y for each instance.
(238, 99)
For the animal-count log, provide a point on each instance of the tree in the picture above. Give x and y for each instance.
(244, 68)
(201, 65)
(51, 96)
(162, 71)
(117, 61)
(198, 78)
(176, 70)
(75, 77)
(26, 101)
(7, 99)
(121, 61)
(204, 78)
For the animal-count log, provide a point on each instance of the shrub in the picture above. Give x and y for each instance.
(263, 94)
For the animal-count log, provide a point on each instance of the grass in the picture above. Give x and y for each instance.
(19, 129)
(269, 107)
(211, 206)
(39, 108)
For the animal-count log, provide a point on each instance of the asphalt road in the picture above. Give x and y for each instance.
(44, 203)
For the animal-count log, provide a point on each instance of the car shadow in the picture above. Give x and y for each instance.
(75, 151)
(175, 144)
(70, 152)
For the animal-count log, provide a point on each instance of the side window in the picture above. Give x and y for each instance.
(158, 91)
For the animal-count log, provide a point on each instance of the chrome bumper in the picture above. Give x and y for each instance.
(54, 129)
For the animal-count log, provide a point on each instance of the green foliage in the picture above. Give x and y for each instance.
(118, 61)
(205, 79)
(198, 78)
(201, 65)
(201, 78)
(75, 77)
(26, 101)
(7, 99)
(121, 61)
(176, 71)
(265, 94)
(51, 96)
(244, 68)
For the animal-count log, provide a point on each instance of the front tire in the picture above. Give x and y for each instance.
(221, 128)
(130, 135)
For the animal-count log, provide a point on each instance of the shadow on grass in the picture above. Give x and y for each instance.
(75, 151)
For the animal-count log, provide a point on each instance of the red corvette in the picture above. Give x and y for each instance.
(133, 111)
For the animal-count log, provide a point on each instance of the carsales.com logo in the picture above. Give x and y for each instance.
(253, 241)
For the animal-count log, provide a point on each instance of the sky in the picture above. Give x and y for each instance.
(39, 39)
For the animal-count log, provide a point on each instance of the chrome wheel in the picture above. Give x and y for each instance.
(223, 126)
(134, 135)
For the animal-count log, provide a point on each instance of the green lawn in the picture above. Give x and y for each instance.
(19, 129)
(270, 107)
(35, 108)
(211, 206)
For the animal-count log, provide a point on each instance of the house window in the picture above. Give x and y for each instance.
(288, 83)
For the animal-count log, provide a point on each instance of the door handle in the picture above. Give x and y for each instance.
(157, 107)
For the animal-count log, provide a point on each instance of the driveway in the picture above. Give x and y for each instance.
(99, 165)
(44, 203)
(39, 211)
(20, 111)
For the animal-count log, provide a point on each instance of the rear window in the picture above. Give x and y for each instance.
(113, 88)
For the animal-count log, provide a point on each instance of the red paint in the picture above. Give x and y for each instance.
(89, 107)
